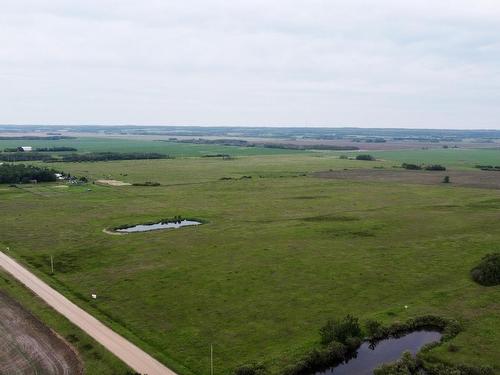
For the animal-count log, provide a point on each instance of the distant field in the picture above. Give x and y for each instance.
(134, 145)
(281, 253)
(454, 158)
(451, 157)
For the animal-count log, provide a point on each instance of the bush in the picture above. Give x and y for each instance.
(446, 180)
(365, 157)
(373, 328)
(340, 330)
(487, 272)
(407, 365)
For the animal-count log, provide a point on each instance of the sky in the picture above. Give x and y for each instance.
(402, 63)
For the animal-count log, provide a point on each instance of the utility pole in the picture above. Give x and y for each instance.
(52, 264)
(211, 359)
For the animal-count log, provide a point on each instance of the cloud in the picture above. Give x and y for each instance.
(294, 62)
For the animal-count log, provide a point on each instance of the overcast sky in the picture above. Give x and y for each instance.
(401, 63)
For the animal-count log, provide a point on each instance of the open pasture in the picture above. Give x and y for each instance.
(463, 178)
(280, 253)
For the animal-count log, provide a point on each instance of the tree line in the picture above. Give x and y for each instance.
(92, 156)
(44, 149)
(106, 156)
(20, 173)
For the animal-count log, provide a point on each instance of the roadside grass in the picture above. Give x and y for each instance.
(96, 359)
(281, 253)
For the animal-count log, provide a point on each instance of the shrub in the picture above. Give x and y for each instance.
(487, 272)
(446, 180)
(340, 330)
(365, 157)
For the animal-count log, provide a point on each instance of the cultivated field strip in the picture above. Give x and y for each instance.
(28, 346)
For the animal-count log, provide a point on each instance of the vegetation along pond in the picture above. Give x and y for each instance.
(157, 226)
(370, 356)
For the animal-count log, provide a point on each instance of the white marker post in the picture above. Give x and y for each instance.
(211, 359)
(52, 264)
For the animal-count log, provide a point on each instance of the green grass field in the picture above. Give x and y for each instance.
(457, 158)
(136, 145)
(280, 254)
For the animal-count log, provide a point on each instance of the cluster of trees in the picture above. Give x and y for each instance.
(147, 183)
(288, 146)
(339, 340)
(365, 157)
(369, 140)
(20, 173)
(430, 167)
(106, 156)
(489, 167)
(435, 167)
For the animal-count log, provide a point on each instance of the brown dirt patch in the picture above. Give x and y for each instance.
(112, 183)
(472, 179)
(27, 346)
(110, 231)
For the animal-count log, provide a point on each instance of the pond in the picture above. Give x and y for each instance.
(158, 226)
(369, 357)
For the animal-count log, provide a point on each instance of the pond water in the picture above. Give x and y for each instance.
(158, 226)
(368, 357)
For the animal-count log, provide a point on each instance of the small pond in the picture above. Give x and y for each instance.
(369, 357)
(158, 226)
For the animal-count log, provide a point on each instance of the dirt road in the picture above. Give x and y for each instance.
(134, 357)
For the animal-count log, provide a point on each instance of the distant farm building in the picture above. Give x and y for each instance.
(25, 148)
